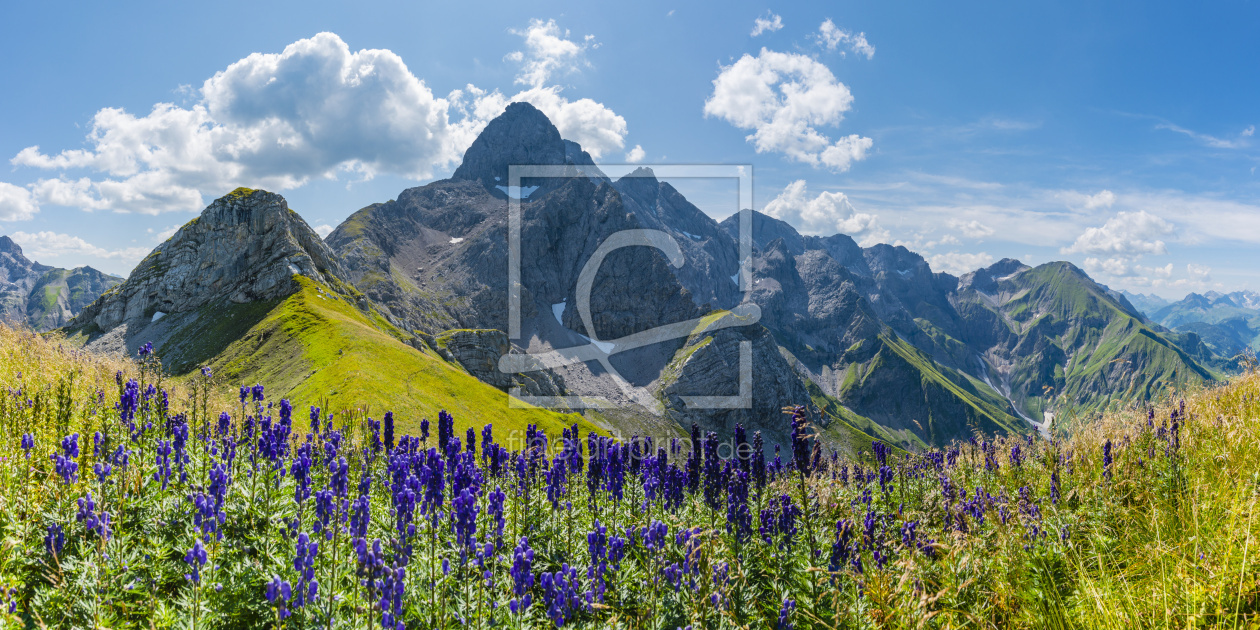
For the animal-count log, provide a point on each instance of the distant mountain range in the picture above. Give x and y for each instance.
(405, 305)
(44, 297)
(1228, 323)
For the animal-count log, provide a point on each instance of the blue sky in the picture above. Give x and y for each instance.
(1119, 137)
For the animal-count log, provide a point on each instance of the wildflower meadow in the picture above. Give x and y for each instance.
(134, 500)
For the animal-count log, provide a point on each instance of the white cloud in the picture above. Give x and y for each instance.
(828, 213)
(1210, 140)
(278, 120)
(1127, 234)
(16, 203)
(959, 263)
(1199, 273)
(164, 234)
(635, 155)
(45, 245)
(783, 98)
(1104, 199)
(768, 24)
(831, 37)
(324, 230)
(970, 229)
(548, 51)
(591, 124)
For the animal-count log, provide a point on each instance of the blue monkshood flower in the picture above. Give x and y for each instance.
(779, 521)
(1107, 459)
(323, 512)
(495, 501)
(908, 533)
(841, 548)
(304, 564)
(315, 411)
(54, 540)
(424, 429)
(759, 462)
(28, 443)
(446, 433)
(464, 512)
(340, 477)
(257, 393)
(205, 371)
(102, 471)
(885, 478)
(654, 536)
(163, 461)
(881, 451)
(561, 594)
(244, 393)
(146, 350)
(1017, 456)
(785, 614)
(738, 515)
(95, 522)
(1054, 487)
(522, 577)
(279, 592)
(196, 558)
(64, 463)
(557, 486)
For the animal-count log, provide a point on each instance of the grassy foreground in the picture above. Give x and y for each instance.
(178, 516)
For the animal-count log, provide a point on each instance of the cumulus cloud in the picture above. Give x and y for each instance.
(1128, 234)
(970, 229)
(323, 230)
(959, 263)
(768, 24)
(635, 155)
(833, 37)
(827, 213)
(16, 203)
(1199, 273)
(548, 51)
(45, 245)
(1104, 199)
(277, 120)
(783, 98)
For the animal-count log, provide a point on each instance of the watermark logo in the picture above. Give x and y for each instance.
(601, 350)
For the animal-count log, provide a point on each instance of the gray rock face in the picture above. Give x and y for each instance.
(246, 246)
(45, 297)
(478, 351)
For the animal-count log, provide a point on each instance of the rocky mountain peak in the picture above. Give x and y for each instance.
(985, 280)
(246, 246)
(520, 135)
(7, 246)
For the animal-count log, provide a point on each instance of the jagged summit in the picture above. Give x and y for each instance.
(7, 246)
(521, 135)
(985, 280)
(246, 246)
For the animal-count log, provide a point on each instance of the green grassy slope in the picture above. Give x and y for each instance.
(1077, 344)
(903, 388)
(316, 348)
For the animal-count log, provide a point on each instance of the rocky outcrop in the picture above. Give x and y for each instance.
(478, 352)
(245, 247)
(44, 297)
